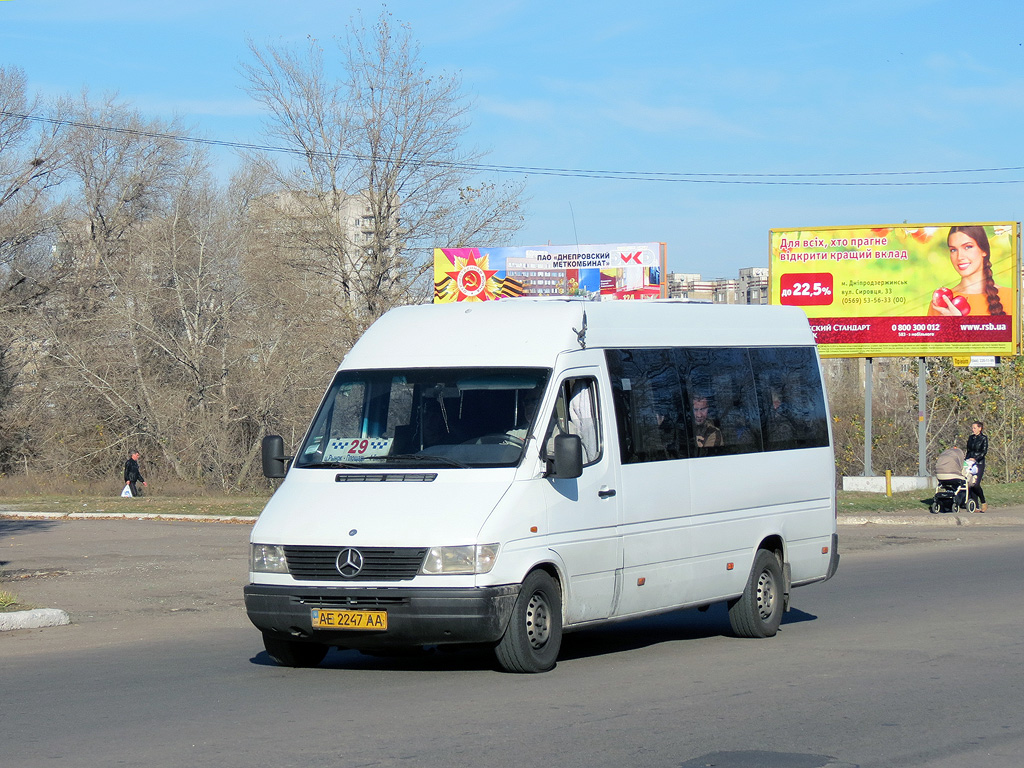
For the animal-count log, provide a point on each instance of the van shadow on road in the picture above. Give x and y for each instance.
(606, 640)
(666, 628)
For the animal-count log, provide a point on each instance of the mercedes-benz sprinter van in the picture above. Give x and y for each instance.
(502, 472)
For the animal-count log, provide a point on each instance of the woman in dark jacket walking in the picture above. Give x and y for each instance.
(977, 447)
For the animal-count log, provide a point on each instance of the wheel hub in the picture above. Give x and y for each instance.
(766, 595)
(538, 618)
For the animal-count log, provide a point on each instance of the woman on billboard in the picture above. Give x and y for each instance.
(977, 292)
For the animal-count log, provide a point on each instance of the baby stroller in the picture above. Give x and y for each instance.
(955, 479)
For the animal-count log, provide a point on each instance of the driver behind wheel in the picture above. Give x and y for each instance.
(524, 410)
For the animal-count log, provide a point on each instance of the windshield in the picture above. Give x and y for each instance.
(425, 417)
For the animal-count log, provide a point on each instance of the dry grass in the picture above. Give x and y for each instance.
(32, 494)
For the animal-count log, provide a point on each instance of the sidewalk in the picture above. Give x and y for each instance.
(994, 517)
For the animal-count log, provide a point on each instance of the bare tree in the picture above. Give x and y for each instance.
(30, 166)
(380, 176)
(107, 376)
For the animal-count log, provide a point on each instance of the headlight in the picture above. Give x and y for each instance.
(477, 558)
(268, 558)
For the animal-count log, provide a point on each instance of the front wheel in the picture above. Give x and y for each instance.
(534, 634)
(293, 653)
(758, 611)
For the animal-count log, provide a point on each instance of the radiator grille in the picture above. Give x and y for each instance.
(379, 563)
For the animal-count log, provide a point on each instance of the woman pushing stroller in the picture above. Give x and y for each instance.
(956, 477)
(977, 447)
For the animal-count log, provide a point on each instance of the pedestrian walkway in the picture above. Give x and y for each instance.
(995, 516)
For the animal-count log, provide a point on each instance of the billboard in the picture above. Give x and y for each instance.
(600, 272)
(911, 290)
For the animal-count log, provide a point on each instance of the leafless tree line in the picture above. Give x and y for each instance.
(146, 304)
(955, 397)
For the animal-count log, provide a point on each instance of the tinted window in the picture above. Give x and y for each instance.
(791, 398)
(713, 401)
(649, 397)
(720, 382)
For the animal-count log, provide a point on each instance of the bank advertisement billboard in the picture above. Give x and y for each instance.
(911, 290)
(601, 272)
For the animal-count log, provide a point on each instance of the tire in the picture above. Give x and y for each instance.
(954, 507)
(972, 506)
(293, 653)
(936, 508)
(533, 637)
(758, 611)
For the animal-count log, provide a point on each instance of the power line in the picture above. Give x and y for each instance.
(761, 179)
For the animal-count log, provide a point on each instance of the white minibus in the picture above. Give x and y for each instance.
(503, 472)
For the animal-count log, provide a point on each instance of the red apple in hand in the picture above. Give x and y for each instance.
(939, 295)
(961, 303)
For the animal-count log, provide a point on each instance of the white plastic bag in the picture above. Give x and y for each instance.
(127, 492)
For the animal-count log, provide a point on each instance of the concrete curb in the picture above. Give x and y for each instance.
(945, 520)
(34, 619)
(124, 516)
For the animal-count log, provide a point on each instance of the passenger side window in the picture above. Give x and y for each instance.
(577, 413)
(649, 405)
(791, 397)
(715, 401)
(726, 417)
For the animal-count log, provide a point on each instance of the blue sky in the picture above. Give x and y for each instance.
(728, 88)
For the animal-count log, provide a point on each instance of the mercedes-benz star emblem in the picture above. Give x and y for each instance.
(350, 562)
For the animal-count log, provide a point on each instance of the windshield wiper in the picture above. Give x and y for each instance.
(428, 457)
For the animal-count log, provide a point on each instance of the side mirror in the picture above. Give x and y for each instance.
(275, 463)
(568, 460)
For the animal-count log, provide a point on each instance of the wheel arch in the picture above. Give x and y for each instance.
(777, 544)
(555, 570)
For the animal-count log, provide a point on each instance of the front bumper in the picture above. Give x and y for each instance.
(416, 616)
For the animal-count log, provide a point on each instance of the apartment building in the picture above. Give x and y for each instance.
(749, 287)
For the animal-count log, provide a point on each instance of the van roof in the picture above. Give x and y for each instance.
(532, 332)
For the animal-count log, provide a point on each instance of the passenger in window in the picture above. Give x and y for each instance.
(780, 421)
(707, 434)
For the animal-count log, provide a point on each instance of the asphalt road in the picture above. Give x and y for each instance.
(909, 657)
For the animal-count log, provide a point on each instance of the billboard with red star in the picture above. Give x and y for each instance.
(601, 272)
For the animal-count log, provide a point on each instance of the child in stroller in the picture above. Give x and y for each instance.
(955, 480)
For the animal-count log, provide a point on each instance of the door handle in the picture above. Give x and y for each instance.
(606, 493)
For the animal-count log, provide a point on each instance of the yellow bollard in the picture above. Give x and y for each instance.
(888, 483)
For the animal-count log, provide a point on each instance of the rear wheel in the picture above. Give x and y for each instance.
(534, 634)
(758, 611)
(936, 508)
(293, 653)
